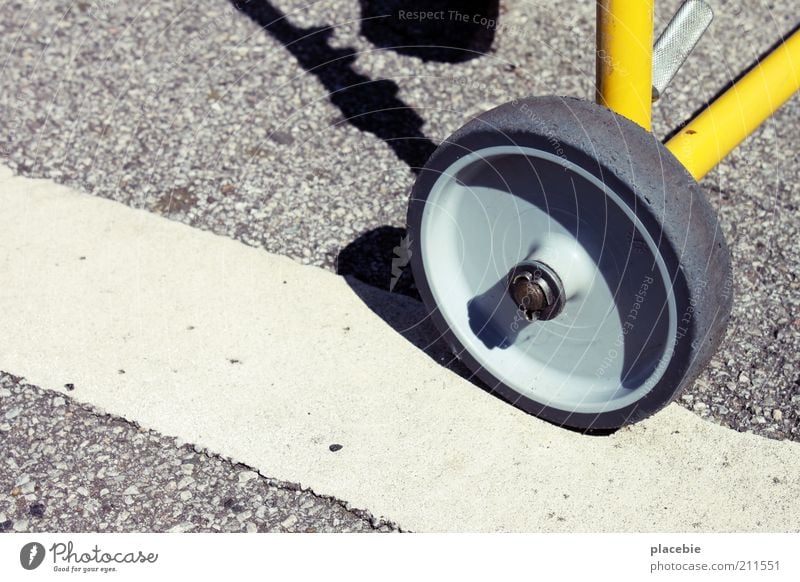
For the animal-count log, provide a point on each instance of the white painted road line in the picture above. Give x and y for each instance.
(221, 346)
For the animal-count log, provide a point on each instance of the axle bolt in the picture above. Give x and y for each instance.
(536, 290)
(528, 295)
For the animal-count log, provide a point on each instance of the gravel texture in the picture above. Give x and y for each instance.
(71, 468)
(297, 128)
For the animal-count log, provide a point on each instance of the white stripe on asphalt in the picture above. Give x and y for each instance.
(269, 362)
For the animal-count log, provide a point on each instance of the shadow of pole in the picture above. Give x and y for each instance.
(445, 31)
(369, 105)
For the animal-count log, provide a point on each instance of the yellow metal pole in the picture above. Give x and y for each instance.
(711, 135)
(625, 58)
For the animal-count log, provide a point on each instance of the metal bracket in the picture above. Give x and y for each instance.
(676, 42)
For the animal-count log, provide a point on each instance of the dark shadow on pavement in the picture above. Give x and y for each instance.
(376, 258)
(446, 31)
(408, 318)
(370, 105)
(366, 264)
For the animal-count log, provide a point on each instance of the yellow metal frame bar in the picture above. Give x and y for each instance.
(624, 58)
(720, 127)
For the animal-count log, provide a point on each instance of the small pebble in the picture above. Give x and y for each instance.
(185, 482)
(13, 413)
(247, 476)
(334, 447)
(289, 521)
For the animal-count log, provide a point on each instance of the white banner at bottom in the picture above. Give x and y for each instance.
(617, 557)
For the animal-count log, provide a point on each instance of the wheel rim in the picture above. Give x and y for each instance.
(498, 207)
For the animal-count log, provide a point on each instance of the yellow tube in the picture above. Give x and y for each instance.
(720, 127)
(624, 58)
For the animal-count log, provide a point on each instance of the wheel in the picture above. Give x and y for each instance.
(570, 261)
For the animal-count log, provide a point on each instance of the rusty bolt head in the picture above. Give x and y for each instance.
(529, 296)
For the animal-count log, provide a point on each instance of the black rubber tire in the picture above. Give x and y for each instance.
(659, 190)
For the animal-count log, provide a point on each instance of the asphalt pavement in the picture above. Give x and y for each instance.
(297, 128)
(69, 467)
